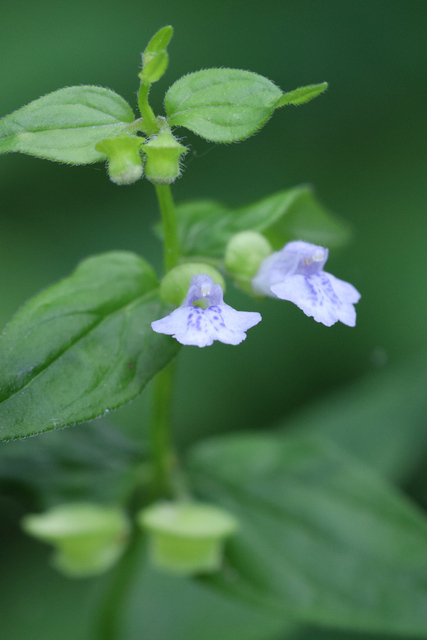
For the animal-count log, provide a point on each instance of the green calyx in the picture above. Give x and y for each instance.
(174, 286)
(124, 158)
(88, 538)
(243, 256)
(187, 537)
(163, 153)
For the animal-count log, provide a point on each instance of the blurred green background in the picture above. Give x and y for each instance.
(362, 145)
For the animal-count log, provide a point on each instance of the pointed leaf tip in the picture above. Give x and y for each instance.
(302, 94)
(160, 40)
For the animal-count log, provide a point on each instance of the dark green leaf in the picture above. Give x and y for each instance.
(194, 612)
(302, 94)
(380, 419)
(82, 347)
(321, 538)
(205, 227)
(317, 633)
(66, 125)
(221, 105)
(93, 463)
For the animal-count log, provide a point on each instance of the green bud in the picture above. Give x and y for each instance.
(88, 538)
(174, 286)
(187, 537)
(124, 159)
(155, 58)
(243, 256)
(155, 65)
(163, 153)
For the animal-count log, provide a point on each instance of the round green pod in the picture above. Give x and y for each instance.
(243, 256)
(174, 286)
(187, 537)
(88, 538)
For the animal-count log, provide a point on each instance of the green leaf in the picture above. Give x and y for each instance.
(155, 57)
(95, 463)
(302, 94)
(160, 40)
(221, 105)
(194, 612)
(205, 227)
(316, 633)
(66, 125)
(82, 347)
(321, 538)
(380, 418)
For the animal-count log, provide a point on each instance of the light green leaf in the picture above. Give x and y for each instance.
(302, 94)
(160, 40)
(155, 57)
(205, 227)
(82, 347)
(221, 105)
(321, 538)
(66, 125)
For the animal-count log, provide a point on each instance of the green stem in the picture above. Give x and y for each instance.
(160, 435)
(108, 627)
(150, 122)
(170, 230)
(165, 475)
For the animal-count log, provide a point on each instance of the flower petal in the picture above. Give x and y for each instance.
(229, 325)
(273, 270)
(344, 290)
(188, 325)
(200, 327)
(321, 296)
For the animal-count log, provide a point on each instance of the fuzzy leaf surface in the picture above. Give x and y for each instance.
(221, 105)
(65, 125)
(302, 94)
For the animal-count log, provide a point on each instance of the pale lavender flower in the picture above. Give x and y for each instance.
(296, 274)
(214, 320)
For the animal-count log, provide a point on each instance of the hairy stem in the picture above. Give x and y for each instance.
(150, 122)
(170, 230)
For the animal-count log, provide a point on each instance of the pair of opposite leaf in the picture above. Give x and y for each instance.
(86, 124)
(295, 274)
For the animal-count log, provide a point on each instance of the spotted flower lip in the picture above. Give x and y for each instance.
(196, 325)
(296, 274)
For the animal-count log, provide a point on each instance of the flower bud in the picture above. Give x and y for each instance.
(243, 256)
(174, 286)
(163, 153)
(187, 537)
(155, 65)
(124, 159)
(155, 57)
(88, 538)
